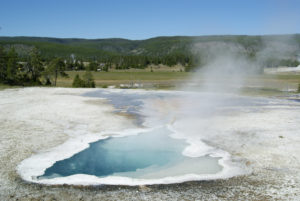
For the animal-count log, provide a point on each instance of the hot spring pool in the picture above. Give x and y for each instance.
(149, 155)
(162, 148)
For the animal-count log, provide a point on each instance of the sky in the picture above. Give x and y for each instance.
(142, 19)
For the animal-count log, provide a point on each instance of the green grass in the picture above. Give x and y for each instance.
(266, 83)
(134, 75)
(166, 79)
(261, 85)
(4, 86)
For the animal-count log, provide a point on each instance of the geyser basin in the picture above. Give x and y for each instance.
(163, 146)
(149, 155)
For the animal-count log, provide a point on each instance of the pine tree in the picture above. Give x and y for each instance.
(93, 66)
(56, 67)
(11, 66)
(88, 80)
(3, 62)
(35, 66)
(77, 82)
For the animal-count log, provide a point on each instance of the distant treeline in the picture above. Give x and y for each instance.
(33, 60)
(35, 70)
(123, 54)
(13, 72)
(142, 61)
(114, 53)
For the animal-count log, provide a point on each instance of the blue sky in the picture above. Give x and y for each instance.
(141, 19)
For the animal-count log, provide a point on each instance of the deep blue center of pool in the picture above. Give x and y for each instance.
(121, 154)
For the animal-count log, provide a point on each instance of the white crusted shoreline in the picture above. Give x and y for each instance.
(32, 167)
(29, 170)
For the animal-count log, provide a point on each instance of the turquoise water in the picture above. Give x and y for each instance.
(147, 155)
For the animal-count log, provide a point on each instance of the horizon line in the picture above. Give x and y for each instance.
(163, 36)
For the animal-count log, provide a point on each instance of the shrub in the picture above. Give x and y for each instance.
(86, 82)
(77, 82)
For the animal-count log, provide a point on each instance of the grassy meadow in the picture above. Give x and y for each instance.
(104, 79)
(265, 84)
